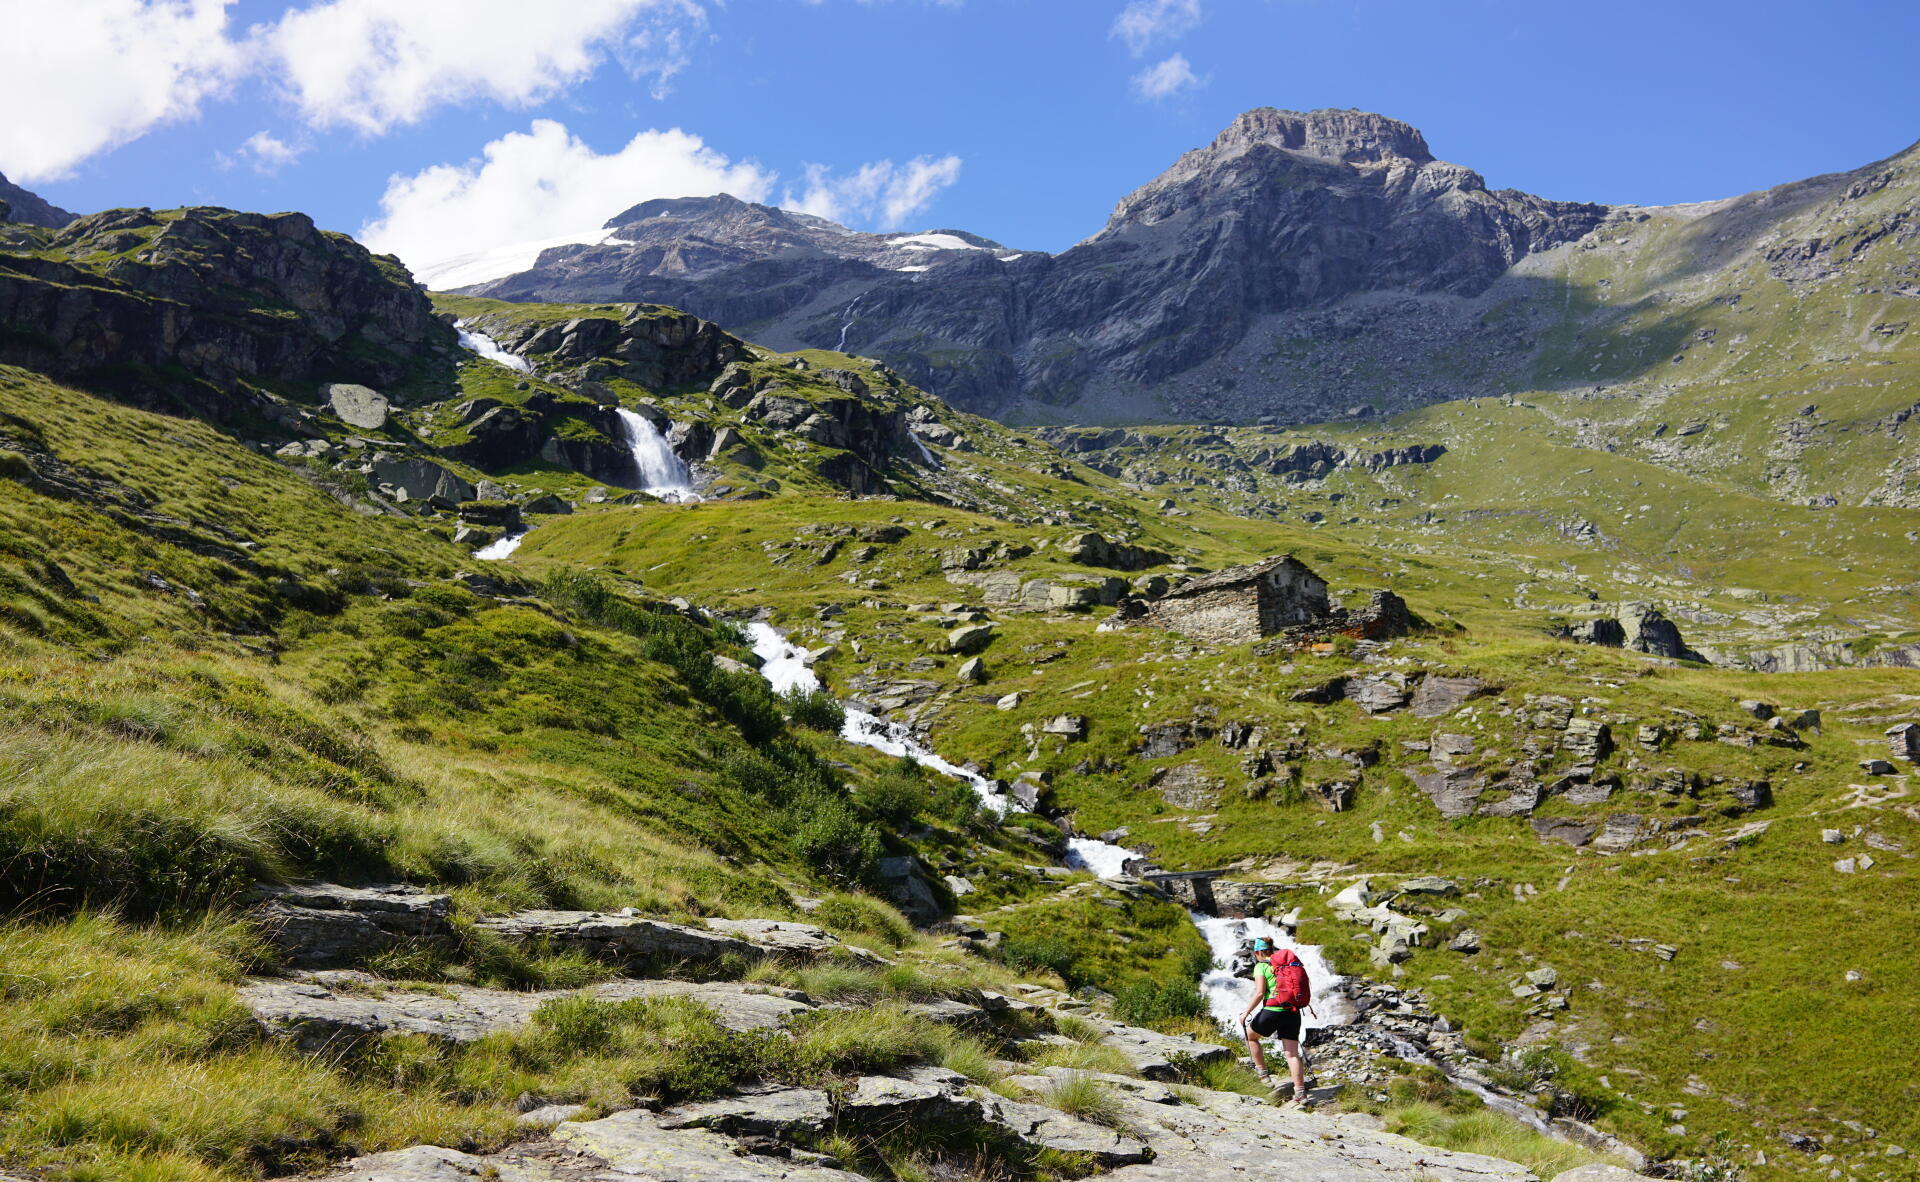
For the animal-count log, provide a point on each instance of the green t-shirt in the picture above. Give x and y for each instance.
(1263, 980)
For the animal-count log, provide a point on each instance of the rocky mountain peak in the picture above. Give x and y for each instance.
(1349, 136)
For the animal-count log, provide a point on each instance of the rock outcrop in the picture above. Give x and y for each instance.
(19, 205)
(183, 308)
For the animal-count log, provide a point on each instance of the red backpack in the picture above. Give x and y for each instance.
(1290, 986)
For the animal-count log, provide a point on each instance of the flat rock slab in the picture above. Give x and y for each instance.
(322, 1009)
(633, 1144)
(1225, 1137)
(767, 1111)
(430, 1163)
(1049, 1128)
(322, 923)
(800, 939)
(1155, 1055)
(618, 938)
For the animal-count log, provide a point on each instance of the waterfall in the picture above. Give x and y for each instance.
(500, 548)
(662, 473)
(846, 322)
(479, 342)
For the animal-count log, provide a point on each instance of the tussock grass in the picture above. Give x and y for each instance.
(1088, 1099)
(1082, 1057)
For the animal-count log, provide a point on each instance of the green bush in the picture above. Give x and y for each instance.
(1144, 1001)
(1035, 953)
(814, 709)
(831, 838)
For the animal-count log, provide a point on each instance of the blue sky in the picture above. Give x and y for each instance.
(483, 122)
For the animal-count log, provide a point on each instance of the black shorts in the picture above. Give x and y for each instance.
(1268, 1023)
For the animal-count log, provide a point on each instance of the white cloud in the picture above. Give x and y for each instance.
(78, 77)
(543, 185)
(882, 191)
(661, 46)
(372, 64)
(1167, 78)
(263, 152)
(1143, 22)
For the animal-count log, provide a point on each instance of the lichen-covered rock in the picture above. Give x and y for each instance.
(316, 924)
(621, 939)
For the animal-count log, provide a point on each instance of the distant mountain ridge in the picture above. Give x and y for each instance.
(19, 205)
(1303, 266)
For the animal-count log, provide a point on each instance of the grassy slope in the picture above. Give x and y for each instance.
(1770, 904)
(332, 705)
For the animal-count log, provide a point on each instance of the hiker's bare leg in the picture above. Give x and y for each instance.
(1291, 1049)
(1259, 1055)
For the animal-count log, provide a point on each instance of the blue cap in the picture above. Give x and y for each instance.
(1260, 942)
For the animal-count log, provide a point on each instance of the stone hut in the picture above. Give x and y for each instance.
(1243, 603)
(1903, 741)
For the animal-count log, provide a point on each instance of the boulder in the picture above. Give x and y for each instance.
(973, 671)
(1430, 885)
(1436, 695)
(1072, 727)
(1466, 941)
(903, 882)
(421, 480)
(1587, 739)
(1749, 795)
(801, 940)
(1379, 693)
(322, 923)
(1620, 831)
(1563, 829)
(970, 638)
(1452, 790)
(621, 939)
(1903, 741)
(361, 407)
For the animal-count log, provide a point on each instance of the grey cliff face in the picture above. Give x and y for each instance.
(1284, 211)
(18, 205)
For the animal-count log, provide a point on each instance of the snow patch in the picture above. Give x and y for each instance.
(935, 242)
(500, 261)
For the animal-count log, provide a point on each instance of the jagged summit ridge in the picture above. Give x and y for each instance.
(1349, 136)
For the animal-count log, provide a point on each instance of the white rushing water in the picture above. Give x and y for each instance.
(1227, 992)
(507, 544)
(785, 667)
(479, 342)
(662, 472)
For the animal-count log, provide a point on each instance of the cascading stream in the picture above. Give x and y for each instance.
(785, 667)
(662, 472)
(479, 342)
(1228, 984)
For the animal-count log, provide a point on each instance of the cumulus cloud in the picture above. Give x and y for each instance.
(1142, 23)
(78, 77)
(263, 152)
(371, 64)
(544, 184)
(1167, 78)
(882, 192)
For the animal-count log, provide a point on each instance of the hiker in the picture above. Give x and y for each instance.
(1280, 992)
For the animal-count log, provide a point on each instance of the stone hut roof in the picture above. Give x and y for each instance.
(1234, 576)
